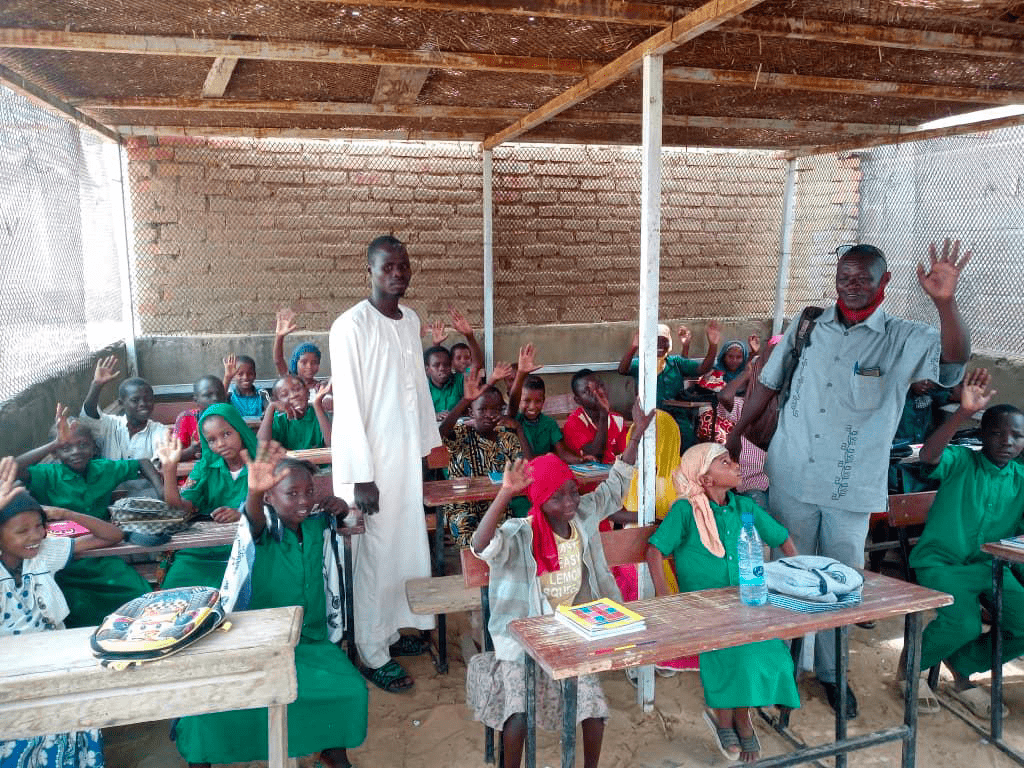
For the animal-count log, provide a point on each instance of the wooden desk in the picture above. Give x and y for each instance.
(686, 403)
(1001, 555)
(437, 493)
(318, 456)
(202, 533)
(693, 622)
(50, 682)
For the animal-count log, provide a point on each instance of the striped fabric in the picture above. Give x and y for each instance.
(810, 606)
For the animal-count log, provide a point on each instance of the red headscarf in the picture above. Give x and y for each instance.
(549, 474)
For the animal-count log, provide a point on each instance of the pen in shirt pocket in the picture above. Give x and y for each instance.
(873, 371)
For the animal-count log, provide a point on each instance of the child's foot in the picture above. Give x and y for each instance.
(336, 757)
(750, 747)
(726, 739)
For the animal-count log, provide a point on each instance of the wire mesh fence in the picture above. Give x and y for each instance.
(61, 242)
(903, 198)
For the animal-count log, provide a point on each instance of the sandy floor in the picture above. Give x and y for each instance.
(430, 726)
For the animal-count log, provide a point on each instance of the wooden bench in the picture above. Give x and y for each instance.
(627, 546)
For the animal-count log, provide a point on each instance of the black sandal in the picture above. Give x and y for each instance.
(389, 677)
(409, 645)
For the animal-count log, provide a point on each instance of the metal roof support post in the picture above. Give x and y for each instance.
(488, 261)
(650, 259)
(128, 309)
(785, 244)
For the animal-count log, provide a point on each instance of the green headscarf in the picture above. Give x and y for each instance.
(211, 473)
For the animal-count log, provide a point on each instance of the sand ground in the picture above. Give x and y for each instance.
(430, 726)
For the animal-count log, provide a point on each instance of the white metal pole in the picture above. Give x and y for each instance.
(128, 317)
(488, 261)
(650, 259)
(785, 244)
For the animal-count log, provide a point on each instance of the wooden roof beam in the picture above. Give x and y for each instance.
(218, 77)
(694, 24)
(429, 111)
(867, 142)
(51, 103)
(317, 53)
(954, 43)
(600, 11)
(778, 81)
(296, 133)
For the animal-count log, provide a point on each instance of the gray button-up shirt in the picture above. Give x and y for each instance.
(831, 447)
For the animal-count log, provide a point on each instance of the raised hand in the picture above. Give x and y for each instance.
(684, 335)
(63, 430)
(9, 486)
(285, 322)
(939, 282)
(169, 451)
(641, 420)
(527, 364)
(602, 398)
(516, 477)
(322, 392)
(460, 323)
(501, 371)
(714, 333)
(260, 470)
(471, 386)
(437, 332)
(976, 393)
(754, 343)
(230, 366)
(106, 370)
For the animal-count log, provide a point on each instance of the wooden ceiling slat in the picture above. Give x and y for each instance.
(219, 76)
(781, 81)
(694, 24)
(320, 53)
(601, 11)
(474, 113)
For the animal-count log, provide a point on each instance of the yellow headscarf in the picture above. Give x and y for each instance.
(666, 458)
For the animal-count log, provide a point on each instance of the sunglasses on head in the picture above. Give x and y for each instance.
(868, 250)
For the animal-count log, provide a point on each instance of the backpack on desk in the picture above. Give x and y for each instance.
(156, 625)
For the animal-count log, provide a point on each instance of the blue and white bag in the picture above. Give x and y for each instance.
(812, 584)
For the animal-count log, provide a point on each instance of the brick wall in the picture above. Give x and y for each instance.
(227, 231)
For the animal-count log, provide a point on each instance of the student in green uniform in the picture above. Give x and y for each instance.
(287, 544)
(980, 499)
(95, 586)
(701, 532)
(673, 370)
(215, 487)
(290, 421)
(526, 399)
(444, 384)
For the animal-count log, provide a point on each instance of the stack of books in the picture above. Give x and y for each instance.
(590, 469)
(600, 619)
(1017, 542)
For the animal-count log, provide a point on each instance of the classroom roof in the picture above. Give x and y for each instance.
(739, 73)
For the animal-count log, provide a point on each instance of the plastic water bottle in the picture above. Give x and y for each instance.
(753, 590)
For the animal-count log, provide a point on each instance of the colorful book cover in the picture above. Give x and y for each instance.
(600, 616)
(1017, 542)
(66, 528)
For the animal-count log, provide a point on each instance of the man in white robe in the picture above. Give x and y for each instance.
(383, 426)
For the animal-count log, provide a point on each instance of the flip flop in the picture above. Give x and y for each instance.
(409, 645)
(978, 701)
(749, 743)
(387, 678)
(725, 738)
(927, 701)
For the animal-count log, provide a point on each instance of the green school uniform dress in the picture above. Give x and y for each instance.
(331, 709)
(297, 434)
(92, 586)
(447, 397)
(752, 675)
(670, 382)
(542, 434)
(977, 502)
(210, 485)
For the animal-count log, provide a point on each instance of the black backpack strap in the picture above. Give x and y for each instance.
(803, 340)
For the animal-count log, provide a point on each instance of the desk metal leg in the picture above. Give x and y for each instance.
(531, 713)
(569, 694)
(277, 737)
(997, 649)
(912, 670)
(842, 659)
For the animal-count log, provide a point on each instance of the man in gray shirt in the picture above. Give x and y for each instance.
(828, 461)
